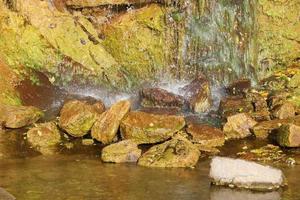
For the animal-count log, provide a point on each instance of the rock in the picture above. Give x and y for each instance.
(261, 116)
(96, 3)
(284, 111)
(263, 129)
(295, 81)
(177, 152)
(198, 94)
(4, 195)
(157, 97)
(233, 105)
(288, 135)
(99, 107)
(146, 128)
(124, 151)
(205, 135)
(239, 87)
(245, 174)
(238, 126)
(78, 117)
(19, 116)
(107, 125)
(45, 137)
(277, 98)
(87, 142)
(258, 100)
(275, 82)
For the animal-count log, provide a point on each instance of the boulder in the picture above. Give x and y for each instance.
(258, 101)
(19, 116)
(261, 116)
(284, 111)
(277, 98)
(205, 135)
(245, 174)
(124, 151)
(177, 152)
(288, 135)
(238, 126)
(78, 117)
(146, 128)
(45, 137)
(157, 97)
(234, 104)
(198, 94)
(107, 125)
(239, 87)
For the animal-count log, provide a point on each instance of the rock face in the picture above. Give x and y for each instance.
(177, 152)
(45, 137)
(124, 151)
(78, 117)
(19, 116)
(239, 86)
(245, 174)
(238, 126)
(284, 111)
(107, 125)
(157, 97)
(145, 128)
(206, 135)
(233, 105)
(288, 135)
(198, 94)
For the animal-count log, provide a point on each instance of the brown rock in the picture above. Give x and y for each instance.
(288, 135)
(277, 98)
(145, 128)
(284, 111)
(124, 151)
(198, 94)
(107, 125)
(239, 87)
(157, 97)
(238, 126)
(206, 135)
(259, 102)
(233, 105)
(19, 116)
(261, 116)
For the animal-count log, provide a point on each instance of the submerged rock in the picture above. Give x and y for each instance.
(124, 151)
(198, 94)
(239, 87)
(19, 116)
(284, 111)
(157, 97)
(146, 128)
(205, 135)
(107, 125)
(238, 126)
(288, 135)
(78, 117)
(245, 174)
(45, 137)
(4, 195)
(177, 152)
(235, 104)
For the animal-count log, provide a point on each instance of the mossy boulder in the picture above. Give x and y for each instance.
(233, 105)
(146, 128)
(177, 152)
(45, 138)
(124, 151)
(19, 116)
(288, 135)
(107, 125)
(78, 117)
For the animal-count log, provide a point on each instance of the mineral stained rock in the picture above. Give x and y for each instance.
(124, 151)
(177, 152)
(145, 128)
(245, 174)
(107, 125)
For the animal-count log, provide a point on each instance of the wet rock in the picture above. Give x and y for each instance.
(288, 135)
(261, 116)
(96, 3)
(107, 125)
(284, 111)
(124, 151)
(205, 135)
(239, 87)
(145, 128)
(277, 98)
(258, 100)
(238, 126)
(177, 152)
(4, 195)
(45, 137)
(78, 117)
(245, 174)
(87, 142)
(19, 116)
(233, 105)
(263, 129)
(157, 97)
(198, 94)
